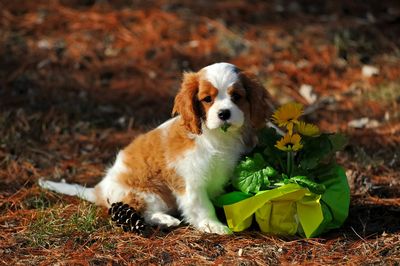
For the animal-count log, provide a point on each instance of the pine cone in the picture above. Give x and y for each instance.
(126, 217)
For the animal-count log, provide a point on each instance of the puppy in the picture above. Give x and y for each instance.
(186, 162)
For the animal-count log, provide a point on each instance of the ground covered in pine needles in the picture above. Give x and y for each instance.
(81, 79)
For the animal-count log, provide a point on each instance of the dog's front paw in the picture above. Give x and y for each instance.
(215, 227)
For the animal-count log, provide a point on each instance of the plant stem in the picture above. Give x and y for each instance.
(290, 163)
(280, 163)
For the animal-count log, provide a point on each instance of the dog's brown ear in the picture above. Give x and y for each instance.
(261, 104)
(187, 105)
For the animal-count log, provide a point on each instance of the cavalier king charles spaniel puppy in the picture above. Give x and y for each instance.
(184, 163)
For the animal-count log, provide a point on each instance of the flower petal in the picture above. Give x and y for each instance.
(287, 115)
(309, 130)
(289, 143)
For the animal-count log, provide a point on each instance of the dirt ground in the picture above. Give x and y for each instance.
(81, 79)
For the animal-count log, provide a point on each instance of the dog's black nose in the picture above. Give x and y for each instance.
(224, 114)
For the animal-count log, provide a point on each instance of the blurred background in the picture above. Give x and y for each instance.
(80, 78)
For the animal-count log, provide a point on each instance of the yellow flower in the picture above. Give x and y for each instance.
(309, 130)
(287, 115)
(289, 143)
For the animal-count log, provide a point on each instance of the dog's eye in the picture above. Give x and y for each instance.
(207, 99)
(236, 97)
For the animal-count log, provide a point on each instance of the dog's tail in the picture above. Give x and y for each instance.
(69, 189)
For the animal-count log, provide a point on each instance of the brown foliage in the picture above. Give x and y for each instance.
(80, 79)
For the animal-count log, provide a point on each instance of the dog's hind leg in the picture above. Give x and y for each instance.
(162, 219)
(153, 208)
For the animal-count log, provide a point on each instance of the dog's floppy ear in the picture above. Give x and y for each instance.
(261, 104)
(187, 105)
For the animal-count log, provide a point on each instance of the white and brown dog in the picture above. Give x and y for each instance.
(185, 162)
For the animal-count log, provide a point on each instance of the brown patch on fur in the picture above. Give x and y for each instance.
(243, 103)
(135, 201)
(261, 104)
(177, 141)
(187, 105)
(237, 88)
(148, 158)
(206, 89)
(248, 132)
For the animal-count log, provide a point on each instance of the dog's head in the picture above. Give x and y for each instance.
(221, 95)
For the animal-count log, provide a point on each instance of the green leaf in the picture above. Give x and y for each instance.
(267, 138)
(306, 182)
(269, 171)
(225, 127)
(325, 173)
(314, 151)
(252, 174)
(338, 141)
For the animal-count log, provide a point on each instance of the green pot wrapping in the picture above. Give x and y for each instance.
(291, 209)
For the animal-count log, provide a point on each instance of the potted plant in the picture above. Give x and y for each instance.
(291, 183)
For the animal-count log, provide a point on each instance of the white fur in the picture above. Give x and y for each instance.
(110, 187)
(167, 123)
(221, 102)
(69, 189)
(206, 170)
(222, 76)
(157, 210)
(160, 218)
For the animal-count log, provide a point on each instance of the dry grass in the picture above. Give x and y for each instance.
(80, 79)
(49, 231)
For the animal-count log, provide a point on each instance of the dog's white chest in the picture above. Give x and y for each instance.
(210, 164)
